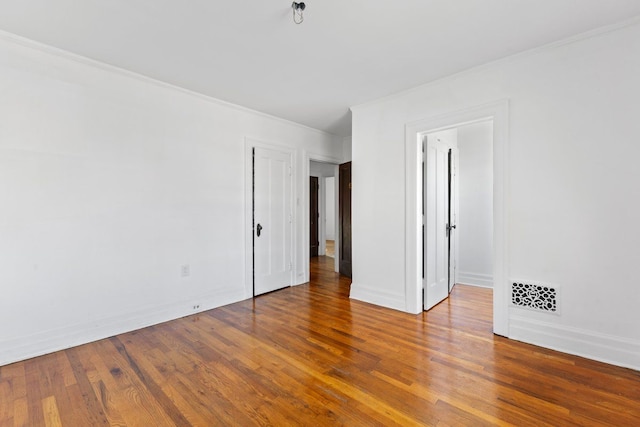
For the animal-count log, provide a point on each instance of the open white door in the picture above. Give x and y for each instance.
(439, 267)
(453, 215)
(272, 220)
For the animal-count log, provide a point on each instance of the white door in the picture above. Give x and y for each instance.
(272, 220)
(453, 215)
(436, 218)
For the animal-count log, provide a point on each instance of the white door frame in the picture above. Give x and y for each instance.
(499, 113)
(249, 144)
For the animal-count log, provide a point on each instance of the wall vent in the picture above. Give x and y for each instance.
(536, 297)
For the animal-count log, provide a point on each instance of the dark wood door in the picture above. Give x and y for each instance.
(345, 218)
(314, 214)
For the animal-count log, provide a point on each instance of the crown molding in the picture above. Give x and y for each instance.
(67, 55)
(516, 56)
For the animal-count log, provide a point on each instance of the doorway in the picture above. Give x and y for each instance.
(498, 113)
(458, 209)
(330, 216)
(322, 210)
(322, 190)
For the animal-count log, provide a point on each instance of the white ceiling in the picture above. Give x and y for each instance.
(347, 52)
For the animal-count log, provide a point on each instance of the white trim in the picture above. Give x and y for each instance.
(22, 348)
(374, 296)
(474, 279)
(601, 347)
(498, 111)
(520, 55)
(249, 144)
(67, 55)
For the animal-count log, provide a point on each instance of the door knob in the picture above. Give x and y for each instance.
(259, 228)
(449, 228)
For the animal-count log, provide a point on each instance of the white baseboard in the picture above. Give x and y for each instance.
(475, 279)
(22, 348)
(604, 348)
(374, 296)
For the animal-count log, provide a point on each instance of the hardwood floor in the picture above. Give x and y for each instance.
(330, 248)
(308, 355)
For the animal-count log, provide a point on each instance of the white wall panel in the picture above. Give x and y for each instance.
(475, 216)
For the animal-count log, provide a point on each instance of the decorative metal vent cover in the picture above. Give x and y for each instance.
(537, 297)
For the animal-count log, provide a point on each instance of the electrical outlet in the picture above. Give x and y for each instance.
(196, 307)
(185, 270)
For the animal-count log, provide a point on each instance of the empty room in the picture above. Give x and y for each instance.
(363, 213)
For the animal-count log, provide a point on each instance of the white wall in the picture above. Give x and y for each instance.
(109, 183)
(346, 150)
(321, 169)
(573, 197)
(330, 208)
(475, 214)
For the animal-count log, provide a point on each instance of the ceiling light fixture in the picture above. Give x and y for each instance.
(298, 8)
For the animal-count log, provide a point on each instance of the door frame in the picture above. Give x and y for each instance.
(497, 111)
(249, 145)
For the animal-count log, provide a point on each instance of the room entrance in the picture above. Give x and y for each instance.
(415, 132)
(457, 209)
(323, 210)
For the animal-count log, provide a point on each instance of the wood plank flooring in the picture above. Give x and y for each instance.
(310, 356)
(330, 250)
